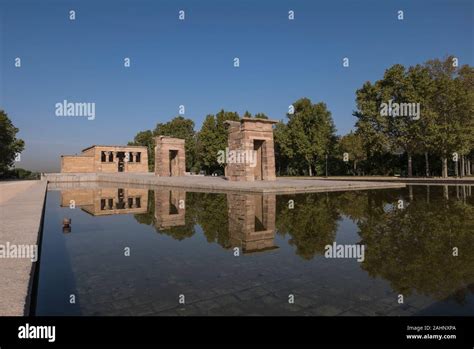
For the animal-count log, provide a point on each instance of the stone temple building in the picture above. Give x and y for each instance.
(170, 157)
(251, 150)
(107, 158)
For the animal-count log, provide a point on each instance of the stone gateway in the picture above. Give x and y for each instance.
(170, 157)
(256, 136)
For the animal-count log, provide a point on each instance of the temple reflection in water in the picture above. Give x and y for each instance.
(106, 201)
(252, 221)
(170, 208)
(251, 217)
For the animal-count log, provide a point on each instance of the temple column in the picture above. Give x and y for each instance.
(107, 156)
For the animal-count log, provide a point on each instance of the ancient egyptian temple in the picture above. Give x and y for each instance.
(106, 158)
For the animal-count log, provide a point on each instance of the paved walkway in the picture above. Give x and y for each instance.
(218, 184)
(21, 208)
(9, 189)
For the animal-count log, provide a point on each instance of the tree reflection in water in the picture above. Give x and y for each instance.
(311, 224)
(412, 248)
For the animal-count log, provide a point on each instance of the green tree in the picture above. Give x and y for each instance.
(353, 145)
(445, 125)
(465, 81)
(284, 153)
(9, 144)
(387, 132)
(452, 104)
(404, 129)
(420, 88)
(213, 138)
(310, 132)
(371, 126)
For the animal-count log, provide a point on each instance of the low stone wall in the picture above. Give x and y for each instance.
(70, 177)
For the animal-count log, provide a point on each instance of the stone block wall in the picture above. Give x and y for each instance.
(78, 164)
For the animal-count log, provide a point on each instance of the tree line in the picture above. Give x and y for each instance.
(415, 121)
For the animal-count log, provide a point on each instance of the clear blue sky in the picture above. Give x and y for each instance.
(191, 62)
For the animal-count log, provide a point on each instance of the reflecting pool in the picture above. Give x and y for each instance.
(158, 251)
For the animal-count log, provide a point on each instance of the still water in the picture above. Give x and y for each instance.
(146, 251)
